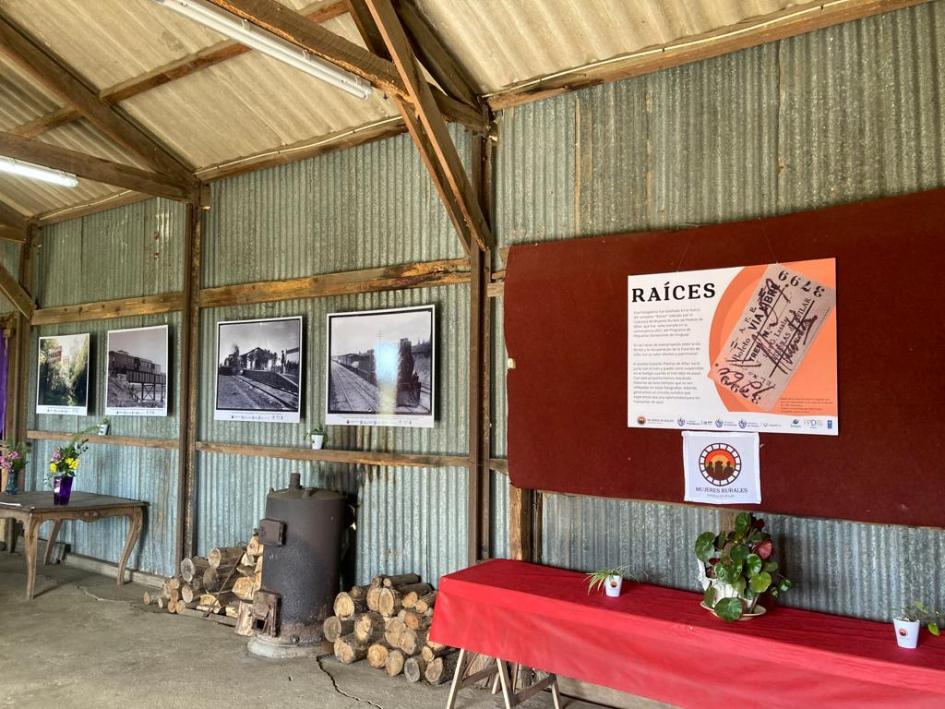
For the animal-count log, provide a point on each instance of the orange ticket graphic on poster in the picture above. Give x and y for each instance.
(773, 340)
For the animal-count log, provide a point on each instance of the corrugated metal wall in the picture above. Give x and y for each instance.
(371, 206)
(132, 250)
(847, 113)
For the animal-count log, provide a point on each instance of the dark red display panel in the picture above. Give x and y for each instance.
(566, 329)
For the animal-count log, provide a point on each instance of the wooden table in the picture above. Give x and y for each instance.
(31, 509)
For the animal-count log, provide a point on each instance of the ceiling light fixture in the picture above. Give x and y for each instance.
(37, 172)
(247, 33)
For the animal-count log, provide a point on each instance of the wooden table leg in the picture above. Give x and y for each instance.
(508, 697)
(457, 679)
(57, 524)
(31, 539)
(135, 520)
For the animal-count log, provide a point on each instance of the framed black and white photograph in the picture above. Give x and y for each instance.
(381, 368)
(259, 370)
(62, 384)
(136, 384)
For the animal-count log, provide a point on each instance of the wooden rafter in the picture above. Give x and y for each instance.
(10, 233)
(293, 27)
(435, 56)
(12, 218)
(93, 168)
(177, 69)
(789, 22)
(12, 289)
(450, 168)
(61, 79)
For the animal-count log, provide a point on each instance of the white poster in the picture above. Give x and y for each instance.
(721, 468)
(734, 349)
(136, 384)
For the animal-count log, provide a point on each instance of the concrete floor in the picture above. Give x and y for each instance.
(82, 642)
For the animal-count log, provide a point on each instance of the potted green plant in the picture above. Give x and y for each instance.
(611, 580)
(736, 569)
(909, 620)
(12, 462)
(104, 427)
(317, 436)
(64, 464)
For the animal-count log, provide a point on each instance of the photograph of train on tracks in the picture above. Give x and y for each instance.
(136, 384)
(259, 370)
(381, 368)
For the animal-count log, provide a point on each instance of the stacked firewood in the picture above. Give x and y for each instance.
(387, 623)
(219, 586)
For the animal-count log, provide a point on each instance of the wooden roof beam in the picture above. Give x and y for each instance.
(435, 56)
(272, 16)
(10, 233)
(178, 69)
(93, 168)
(12, 289)
(448, 174)
(61, 79)
(12, 219)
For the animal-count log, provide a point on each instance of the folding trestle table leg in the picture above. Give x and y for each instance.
(510, 697)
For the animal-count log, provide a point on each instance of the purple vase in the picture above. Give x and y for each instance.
(62, 489)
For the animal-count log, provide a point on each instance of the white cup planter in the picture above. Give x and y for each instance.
(103, 429)
(318, 439)
(907, 633)
(613, 585)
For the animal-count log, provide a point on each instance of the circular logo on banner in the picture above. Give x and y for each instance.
(720, 464)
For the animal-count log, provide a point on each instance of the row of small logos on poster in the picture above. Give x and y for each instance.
(380, 369)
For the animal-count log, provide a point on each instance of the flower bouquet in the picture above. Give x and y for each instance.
(12, 462)
(64, 465)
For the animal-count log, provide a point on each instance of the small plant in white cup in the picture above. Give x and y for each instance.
(909, 620)
(611, 580)
(104, 426)
(317, 436)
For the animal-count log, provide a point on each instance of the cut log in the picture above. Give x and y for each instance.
(247, 560)
(388, 602)
(369, 627)
(412, 619)
(151, 597)
(244, 620)
(254, 547)
(411, 641)
(431, 651)
(349, 650)
(193, 568)
(401, 580)
(409, 595)
(441, 669)
(377, 655)
(214, 602)
(225, 556)
(334, 627)
(173, 583)
(425, 602)
(246, 570)
(395, 627)
(161, 602)
(414, 667)
(172, 606)
(349, 603)
(395, 663)
(373, 594)
(220, 579)
(192, 590)
(244, 588)
(232, 610)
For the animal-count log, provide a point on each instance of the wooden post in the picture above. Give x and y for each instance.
(189, 379)
(520, 523)
(24, 337)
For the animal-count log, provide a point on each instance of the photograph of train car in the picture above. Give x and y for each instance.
(259, 370)
(136, 384)
(62, 386)
(381, 368)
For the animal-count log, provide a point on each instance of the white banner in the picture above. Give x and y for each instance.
(721, 468)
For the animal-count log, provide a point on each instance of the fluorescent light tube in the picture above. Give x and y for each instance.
(36, 172)
(247, 33)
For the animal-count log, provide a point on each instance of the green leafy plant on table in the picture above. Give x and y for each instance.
(65, 459)
(918, 612)
(597, 579)
(738, 568)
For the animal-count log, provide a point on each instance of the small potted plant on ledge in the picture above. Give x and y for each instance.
(12, 462)
(909, 620)
(611, 580)
(317, 436)
(736, 569)
(104, 427)
(64, 464)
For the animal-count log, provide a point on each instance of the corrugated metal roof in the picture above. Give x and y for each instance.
(251, 104)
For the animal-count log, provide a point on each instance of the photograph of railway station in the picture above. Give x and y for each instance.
(381, 365)
(259, 370)
(137, 372)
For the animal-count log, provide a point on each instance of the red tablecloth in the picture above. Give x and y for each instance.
(657, 642)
